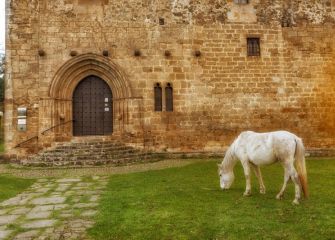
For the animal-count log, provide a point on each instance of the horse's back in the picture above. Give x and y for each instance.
(277, 134)
(265, 148)
(283, 135)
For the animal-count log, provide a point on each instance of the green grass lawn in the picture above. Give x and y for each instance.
(187, 203)
(11, 186)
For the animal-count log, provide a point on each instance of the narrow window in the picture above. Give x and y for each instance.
(158, 97)
(95, 2)
(169, 98)
(254, 48)
(161, 21)
(241, 1)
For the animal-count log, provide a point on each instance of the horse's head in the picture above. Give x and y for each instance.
(226, 177)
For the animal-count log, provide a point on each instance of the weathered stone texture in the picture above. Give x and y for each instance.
(296, 12)
(290, 86)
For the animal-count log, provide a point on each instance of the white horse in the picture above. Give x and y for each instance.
(255, 149)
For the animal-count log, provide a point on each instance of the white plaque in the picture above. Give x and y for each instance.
(22, 121)
(106, 99)
(106, 109)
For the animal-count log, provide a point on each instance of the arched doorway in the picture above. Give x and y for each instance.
(92, 108)
(59, 108)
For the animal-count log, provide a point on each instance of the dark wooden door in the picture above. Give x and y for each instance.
(92, 108)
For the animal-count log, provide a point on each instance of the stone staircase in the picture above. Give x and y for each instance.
(88, 153)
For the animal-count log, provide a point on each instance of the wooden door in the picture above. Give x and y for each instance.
(92, 108)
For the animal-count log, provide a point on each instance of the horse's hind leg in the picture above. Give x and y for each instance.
(258, 174)
(295, 179)
(286, 178)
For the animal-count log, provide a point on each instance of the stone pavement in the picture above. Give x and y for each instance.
(52, 209)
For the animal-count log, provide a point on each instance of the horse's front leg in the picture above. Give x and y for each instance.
(258, 174)
(246, 168)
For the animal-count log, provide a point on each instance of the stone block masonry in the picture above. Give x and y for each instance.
(216, 95)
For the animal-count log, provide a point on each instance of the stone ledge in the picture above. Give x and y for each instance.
(319, 152)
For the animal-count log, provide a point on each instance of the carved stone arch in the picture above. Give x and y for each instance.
(73, 71)
(65, 82)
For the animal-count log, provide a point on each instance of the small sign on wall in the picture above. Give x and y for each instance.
(22, 112)
(22, 119)
(22, 127)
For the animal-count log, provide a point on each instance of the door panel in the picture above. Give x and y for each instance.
(91, 113)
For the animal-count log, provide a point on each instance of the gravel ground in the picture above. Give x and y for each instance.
(27, 172)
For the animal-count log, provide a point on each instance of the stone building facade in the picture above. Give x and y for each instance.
(199, 50)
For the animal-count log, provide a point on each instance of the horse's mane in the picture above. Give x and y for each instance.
(229, 159)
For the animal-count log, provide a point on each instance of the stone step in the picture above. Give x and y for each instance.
(73, 146)
(97, 162)
(86, 154)
(108, 154)
(89, 157)
(88, 149)
(63, 148)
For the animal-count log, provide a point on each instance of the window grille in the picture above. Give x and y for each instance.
(253, 45)
(158, 97)
(169, 98)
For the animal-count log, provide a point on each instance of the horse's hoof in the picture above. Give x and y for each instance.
(262, 191)
(279, 196)
(295, 202)
(247, 194)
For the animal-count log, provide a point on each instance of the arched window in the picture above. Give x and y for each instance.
(158, 97)
(169, 98)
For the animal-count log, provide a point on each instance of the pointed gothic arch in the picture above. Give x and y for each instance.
(73, 71)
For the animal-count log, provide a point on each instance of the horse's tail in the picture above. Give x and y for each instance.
(301, 165)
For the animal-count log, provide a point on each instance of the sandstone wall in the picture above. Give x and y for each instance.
(217, 95)
(22, 77)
